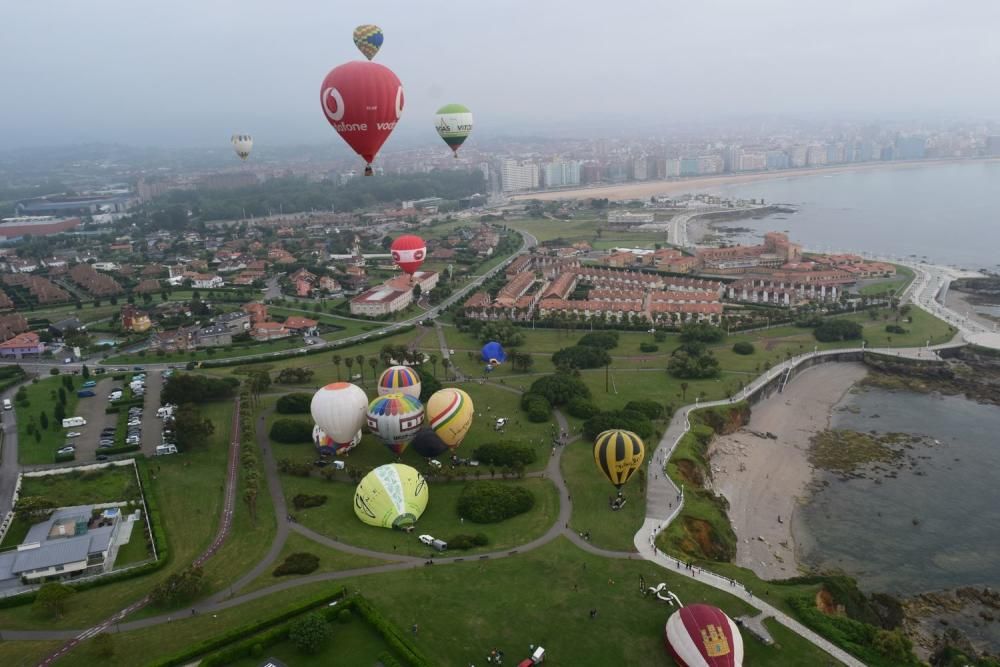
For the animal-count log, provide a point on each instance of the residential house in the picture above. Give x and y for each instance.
(135, 320)
(205, 281)
(301, 325)
(22, 345)
(178, 340)
(257, 312)
(214, 335)
(269, 331)
(237, 321)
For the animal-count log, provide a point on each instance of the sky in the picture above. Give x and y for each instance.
(193, 72)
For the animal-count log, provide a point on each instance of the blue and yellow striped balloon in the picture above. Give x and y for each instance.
(399, 379)
(368, 38)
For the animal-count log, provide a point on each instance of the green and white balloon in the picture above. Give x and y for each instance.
(454, 123)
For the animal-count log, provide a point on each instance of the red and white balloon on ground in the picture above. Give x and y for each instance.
(700, 635)
(409, 252)
(362, 101)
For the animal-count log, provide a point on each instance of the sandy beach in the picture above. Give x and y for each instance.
(646, 189)
(765, 478)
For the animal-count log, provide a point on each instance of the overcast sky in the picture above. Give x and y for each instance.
(192, 72)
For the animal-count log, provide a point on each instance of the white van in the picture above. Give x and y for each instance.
(74, 421)
(6, 404)
(163, 450)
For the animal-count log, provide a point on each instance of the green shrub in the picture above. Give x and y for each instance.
(504, 454)
(628, 420)
(294, 404)
(701, 332)
(605, 340)
(304, 500)
(345, 616)
(660, 336)
(290, 431)
(743, 347)
(649, 347)
(492, 502)
(560, 389)
(582, 408)
(581, 356)
(894, 329)
(462, 542)
(309, 633)
(650, 408)
(297, 563)
(835, 330)
(537, 407)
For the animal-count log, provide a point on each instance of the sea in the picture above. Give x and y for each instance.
(947, 212)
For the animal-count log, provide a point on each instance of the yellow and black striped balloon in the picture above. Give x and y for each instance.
(618, 454)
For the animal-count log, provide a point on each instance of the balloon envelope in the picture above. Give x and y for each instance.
(493, 353)
(409, 252)
(368, 38)
(339, 410)
(700, 635)
(362, 101)
(391, 496)
(395, 418)
(449, 413)
(428, 444)
(242, 144)
(325, 445)
(454, 124)
(618, 454)
(399, 379)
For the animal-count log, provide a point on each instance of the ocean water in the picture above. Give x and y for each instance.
(937, 524)
(948, 212)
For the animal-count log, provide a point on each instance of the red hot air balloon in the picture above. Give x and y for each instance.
(700, 635)
(409, 252)
(363, 102)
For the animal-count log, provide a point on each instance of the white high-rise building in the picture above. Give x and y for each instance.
(561, 174)
(515, 176)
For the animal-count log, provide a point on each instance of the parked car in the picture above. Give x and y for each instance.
(138, 368)
(103, 457)
(106, 443)
(66, 450)
(74, 434)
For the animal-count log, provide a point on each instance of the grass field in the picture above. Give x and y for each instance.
(354, 643)
(336, 517)
(84, 487)
(903, 277)
(330, 560)
(590, 491)
(136, 549)
(41, 448)
(189, 489)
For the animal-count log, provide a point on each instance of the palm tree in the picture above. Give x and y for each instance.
(447, 365)
(336, 362)
(684, 390)
(373, 362)
(434, 362)
(349, 362)
(361, 362)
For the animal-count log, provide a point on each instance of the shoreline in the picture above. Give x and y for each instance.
(766, 478)
(646, 189)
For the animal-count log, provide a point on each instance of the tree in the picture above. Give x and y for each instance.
(103, 645)
(309, 633)
(189, 426)
(336, 362)
(191, 388)
(434, 363)
(85, 372)
(52, 599)
(373, 362)
(294, 404)
(179, 587)
(290, 431)
(446, 363)
(349, 362)
(684, 390)
(581, 356)
(560, 389)
(417, 291)
(701, 332)
(43, 420)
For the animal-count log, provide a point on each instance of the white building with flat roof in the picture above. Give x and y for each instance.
(515, 175)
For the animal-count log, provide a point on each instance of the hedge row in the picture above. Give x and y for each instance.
(121, 449)
(249, 633)
(392, 635)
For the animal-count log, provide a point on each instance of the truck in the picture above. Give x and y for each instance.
(74, 421)
(163, 450)
(84, 393)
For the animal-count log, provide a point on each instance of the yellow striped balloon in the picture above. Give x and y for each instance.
(618, 454)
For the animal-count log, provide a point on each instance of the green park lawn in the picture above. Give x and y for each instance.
(188, 489)
(896, 284)
(590, 491)
(84, 487)
(336, 518)
(136, 549)
(41, 448)
(354, 643)
(330, 560)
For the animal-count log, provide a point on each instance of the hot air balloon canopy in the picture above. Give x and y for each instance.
(454, 124)
(395, 418)
(325, 444)
(242, 144)
(391, 496)
(428, 444)
(493, 353)
(449, 414)
(700, 635)
(339, 410)
(618, 454)
(368, 38)
(362, 101)
(409, 252)
(399, 379)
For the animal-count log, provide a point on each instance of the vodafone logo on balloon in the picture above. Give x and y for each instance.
(418, 254)
(395, 256)
(338, 104)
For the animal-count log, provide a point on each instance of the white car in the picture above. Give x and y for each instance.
(427, 539)
(74, 434)
(66, 450)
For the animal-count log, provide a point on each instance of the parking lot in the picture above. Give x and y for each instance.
(93, 409)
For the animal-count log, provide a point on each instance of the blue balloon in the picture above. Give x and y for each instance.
(493, 353)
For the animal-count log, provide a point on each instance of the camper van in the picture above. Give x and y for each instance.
(74, 421)
(163, 450)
